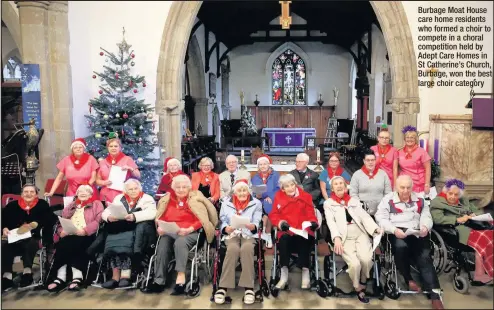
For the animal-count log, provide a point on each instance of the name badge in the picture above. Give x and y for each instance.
(181, 204)
(306, 176)
(207, 180)
(279, 206)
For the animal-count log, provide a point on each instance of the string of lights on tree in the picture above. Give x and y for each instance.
(117, 109)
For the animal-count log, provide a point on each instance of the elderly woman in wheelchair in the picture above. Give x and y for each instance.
(124, 236)
(450, 209)
(190, 211)
(293, 208)
(85, 214)
(350, 227)
(240, 242)
(407, 220)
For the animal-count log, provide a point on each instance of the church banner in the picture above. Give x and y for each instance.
(31, 94)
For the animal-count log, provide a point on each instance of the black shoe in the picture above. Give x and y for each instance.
(110, 284)
(361, 296)
(124, 283)
(26, 280)
(154, 288)
(6, 284)
(179, 289)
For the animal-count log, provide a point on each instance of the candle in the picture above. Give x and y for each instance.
(242, 155)
(421, 143)
(436, 151)
(318, 154)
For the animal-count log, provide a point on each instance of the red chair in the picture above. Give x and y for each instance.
(8, 198)
(57, 198)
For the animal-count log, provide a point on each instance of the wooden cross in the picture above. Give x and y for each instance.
(285, 19)
(432, 70)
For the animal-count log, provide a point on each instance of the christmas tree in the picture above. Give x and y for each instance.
(117, 109)
(247, 123)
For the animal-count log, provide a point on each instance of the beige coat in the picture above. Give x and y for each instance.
(226, 182)
(336, 218)
(202, 208)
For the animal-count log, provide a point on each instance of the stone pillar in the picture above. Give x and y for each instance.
(169, 135)
(33, 20)
(201, 110)
(61, 79)
(405, 113)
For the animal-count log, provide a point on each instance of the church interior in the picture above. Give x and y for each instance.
(242, 78)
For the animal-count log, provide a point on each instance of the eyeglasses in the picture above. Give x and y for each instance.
(384, 138)
(370, 160)
(334, 161)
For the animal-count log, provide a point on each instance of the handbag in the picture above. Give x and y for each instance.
(477, 225)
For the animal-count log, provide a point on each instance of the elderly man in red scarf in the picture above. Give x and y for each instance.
(292, 207)
(171, 168)
(26, 214)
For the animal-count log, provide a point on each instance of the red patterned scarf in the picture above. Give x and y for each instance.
(409, 151)
(114, 160)
(265, 175)
(344, 200)
(27, 206)
(79, 162)
(370, 174)
(133, 201)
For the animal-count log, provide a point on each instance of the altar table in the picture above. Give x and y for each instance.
(288, 139)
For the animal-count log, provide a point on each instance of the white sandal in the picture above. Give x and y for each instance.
(219, 297)
(249, 297)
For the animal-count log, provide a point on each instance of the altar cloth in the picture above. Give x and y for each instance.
(289, 139)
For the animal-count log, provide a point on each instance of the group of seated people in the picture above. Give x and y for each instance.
(355, 209)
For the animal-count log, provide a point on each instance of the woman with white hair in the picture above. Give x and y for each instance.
(350, 227)
(294, 208)
(78, 168)
(85, 213)
(206, 181)
(172, 168)
(124, 238)
(450, 207)
(239, 242)
(190, 211)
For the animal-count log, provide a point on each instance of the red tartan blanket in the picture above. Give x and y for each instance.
(481, 241)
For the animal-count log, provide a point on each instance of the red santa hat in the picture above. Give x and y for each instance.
(264, 157)
(168, 161)
(78, 141)
(239, 183)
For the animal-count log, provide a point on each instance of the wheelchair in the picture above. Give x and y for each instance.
(316, 281)
(199, 256)
(260, 267)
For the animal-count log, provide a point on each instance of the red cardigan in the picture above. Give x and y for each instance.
(215, 184)
(293, 210)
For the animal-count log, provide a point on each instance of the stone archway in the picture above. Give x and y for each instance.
(179, 23)
(11, 20)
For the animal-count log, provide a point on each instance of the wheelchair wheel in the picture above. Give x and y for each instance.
(265, 288)
(193, 289)
(272, 287)
(391, 291)
(439, 252)
(322, 289)
(460, 284)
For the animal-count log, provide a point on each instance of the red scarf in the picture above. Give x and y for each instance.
(27, 207)
(345, 199)
(382, 151)
(133, 201)
(206, 178)
(113, 161)
(370, 174)
(177, 203)
(83, 204)
(442, 194)
(239, 205)
(79, 162)
(265, 175)
(409, 152)
(338, 172)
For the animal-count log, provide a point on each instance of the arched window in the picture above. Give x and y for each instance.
(288, 80)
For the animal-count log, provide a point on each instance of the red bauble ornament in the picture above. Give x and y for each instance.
(143, 84)
(101, 53)
(94, 76)
(100, 92)
(116, 75)
(132, 55)
(135, 91)
(90, 106)
(125, 116)
(130, 84)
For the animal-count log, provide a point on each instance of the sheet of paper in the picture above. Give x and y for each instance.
(376, 241)
(300, 232)
(413, 232)
(432, 193)
(259, 189)
(239, 221)
(13, 236)
(487, 217)
(117, 177)
(67, 201)
(169, 227)
(67, 226)
(117, 210)
(305, 225)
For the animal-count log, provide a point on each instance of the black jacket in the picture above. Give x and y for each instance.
(310, 183)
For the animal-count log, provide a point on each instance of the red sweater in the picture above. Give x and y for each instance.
(293, 210)
(183, 216)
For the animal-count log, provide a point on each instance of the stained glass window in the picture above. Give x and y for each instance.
(289, 83)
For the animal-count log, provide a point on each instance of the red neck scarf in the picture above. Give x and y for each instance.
(168, 178)
(457, 202)
(83, 204)
(409, 151)
(382, 151)
(27, 206)
(338, 172)
(343, 201)
(265, 175)
(206, 178)
(176, 202)
(79, 162)
(114, 160)
(133, 201)
(370, 174)
(239, 205)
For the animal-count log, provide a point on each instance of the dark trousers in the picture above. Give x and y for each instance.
(294, 244)
(71, 250)
(25, 248)
(415, 250)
